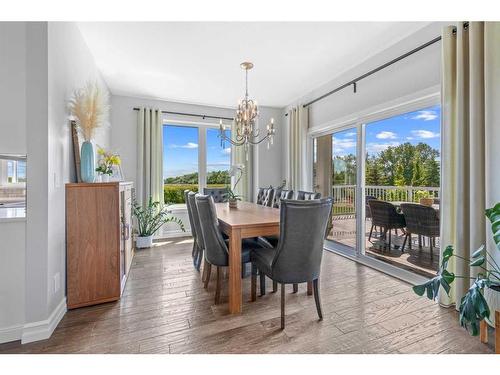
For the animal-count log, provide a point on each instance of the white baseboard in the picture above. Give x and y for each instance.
(12, 333)
(173, 234)
(43, 329)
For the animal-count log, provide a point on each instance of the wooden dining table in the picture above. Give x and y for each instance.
(247, 221)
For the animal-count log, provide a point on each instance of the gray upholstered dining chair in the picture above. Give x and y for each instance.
(218, 194)
(281, 194)
(307, 195)
(215, 247)
(260, 196)
(267, 199)
(421, 220)
(297, 257)
(195, 228)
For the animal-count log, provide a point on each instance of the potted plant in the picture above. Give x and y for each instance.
(424, 197)
(231, 197)
(483, 297)
(105, 164)
(89, 107)
(150, 219)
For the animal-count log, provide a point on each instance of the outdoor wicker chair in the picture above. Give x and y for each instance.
(421, 220)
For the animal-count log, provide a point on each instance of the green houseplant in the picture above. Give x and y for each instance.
(149, 219)
(474, 307)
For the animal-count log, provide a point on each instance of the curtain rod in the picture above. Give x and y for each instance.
(354, 81)
(194, 115)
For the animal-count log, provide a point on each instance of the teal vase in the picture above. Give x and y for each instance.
(87, 167)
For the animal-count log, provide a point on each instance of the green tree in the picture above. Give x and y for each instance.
(417, 178)
(430, 175)
(399, 175)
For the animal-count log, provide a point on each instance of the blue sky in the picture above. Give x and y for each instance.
(180, 156)
(414, 127)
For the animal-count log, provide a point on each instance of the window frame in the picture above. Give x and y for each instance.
(202, 146)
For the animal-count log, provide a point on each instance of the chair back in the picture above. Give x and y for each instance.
(283, 194)
(384, 214)
(368, 213)
(421, 219)
(307, 195)
(260, 196)
(302, 232)
(198, 235)
(218, 194)
(268, 197)
(216, 251)
(190, 214)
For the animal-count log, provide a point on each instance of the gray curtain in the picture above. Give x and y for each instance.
(149, 155)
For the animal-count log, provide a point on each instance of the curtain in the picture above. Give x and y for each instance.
(464, 182)
(238, 156)
(298, 122)
(149, 156)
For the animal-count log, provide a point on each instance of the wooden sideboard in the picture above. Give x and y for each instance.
(99, 248)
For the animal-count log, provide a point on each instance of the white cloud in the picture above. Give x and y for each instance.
(425, 134)
(350, 134)
(226, 151)
(375, 147)
(386, 135)
(425, 116)
(341, 145)
(409, 138)
(187, 145)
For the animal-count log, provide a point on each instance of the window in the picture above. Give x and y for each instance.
(193, 158)
(12, 185)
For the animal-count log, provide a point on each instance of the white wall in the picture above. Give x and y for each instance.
(12, 140)
(55, 61)
(124, 134)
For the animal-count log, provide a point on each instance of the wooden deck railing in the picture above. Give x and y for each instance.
(344, 196)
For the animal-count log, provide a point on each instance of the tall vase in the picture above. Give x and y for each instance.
(87, 162)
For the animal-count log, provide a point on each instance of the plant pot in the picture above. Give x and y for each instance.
(492, 297)
(87, 167)
(233, 203)
(143, 242)
(427, 201)
(105, 177)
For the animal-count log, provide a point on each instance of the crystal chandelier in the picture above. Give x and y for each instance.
(245, 121)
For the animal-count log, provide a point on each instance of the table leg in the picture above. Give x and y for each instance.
(483, 331)
(497, 332)
(235, 299)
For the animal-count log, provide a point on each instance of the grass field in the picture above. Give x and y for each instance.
(174, 193)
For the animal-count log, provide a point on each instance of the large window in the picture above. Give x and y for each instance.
(193, 158)
(12, 185)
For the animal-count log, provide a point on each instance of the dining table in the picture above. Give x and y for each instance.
(397, 204)
(248, 220)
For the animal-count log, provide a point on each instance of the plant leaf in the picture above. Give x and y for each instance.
(473, 308)
(478, 252)
(493, 214)
(478, 262)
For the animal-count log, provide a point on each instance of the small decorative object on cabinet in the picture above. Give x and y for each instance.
(99, 246)
(89, 109)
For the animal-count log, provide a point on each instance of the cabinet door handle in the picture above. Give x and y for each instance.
(127, 231)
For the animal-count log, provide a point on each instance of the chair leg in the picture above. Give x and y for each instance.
(309, 288)
(409, 242)
(254, 283)
(282, 306)
(243, 270)
(430, 247)
(295, 288)
(204, 273)
(275, 286)
(419, 241)
(262, 284)
(390, 239)
(193, 252)
(404, 243)
(218, 287)
(371, 231)
(207, 276)
(199, 259)
(316, 298)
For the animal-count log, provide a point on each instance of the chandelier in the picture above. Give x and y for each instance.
(245, 121)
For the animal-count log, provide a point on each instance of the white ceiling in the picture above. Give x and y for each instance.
(198, 62)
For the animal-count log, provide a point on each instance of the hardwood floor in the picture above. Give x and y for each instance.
(166, 310)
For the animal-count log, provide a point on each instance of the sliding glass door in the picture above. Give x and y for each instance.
(394, 159)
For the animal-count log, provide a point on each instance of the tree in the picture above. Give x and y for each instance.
(399, 176)
(374, 174)
(430, 174)
(417, 178)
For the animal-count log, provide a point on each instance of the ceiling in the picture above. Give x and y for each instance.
(198, 62)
